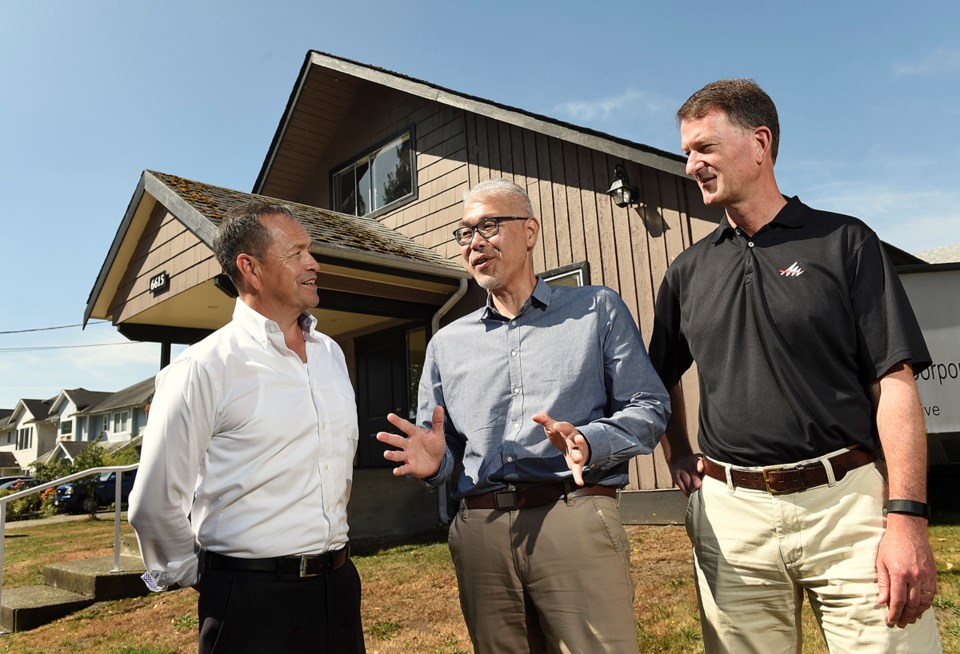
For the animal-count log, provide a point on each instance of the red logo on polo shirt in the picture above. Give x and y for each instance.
(793, 271)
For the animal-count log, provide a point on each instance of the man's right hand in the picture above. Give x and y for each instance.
(421, 451)
(687, 472)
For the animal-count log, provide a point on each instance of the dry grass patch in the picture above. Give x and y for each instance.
(410, 602)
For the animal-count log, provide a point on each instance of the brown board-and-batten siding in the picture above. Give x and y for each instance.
(628, 249)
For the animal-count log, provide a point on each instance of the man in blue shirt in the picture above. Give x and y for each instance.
(538, 401)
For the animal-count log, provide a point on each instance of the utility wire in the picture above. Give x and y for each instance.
(45, 329)
(61, 347)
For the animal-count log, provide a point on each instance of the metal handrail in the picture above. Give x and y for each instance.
(53, 484)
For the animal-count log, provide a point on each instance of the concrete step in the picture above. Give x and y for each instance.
(28, 607)
(97, 579)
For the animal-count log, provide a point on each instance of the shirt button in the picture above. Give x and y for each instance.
(513, 322)
(509, 459)
(516, 391)
(513, 353)
(750, 244)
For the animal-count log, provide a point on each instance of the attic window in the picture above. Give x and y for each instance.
(376, 179)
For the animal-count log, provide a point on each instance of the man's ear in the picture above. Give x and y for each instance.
(250, 270)
(763, 142)
(532, 231)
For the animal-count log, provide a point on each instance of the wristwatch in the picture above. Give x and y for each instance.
(909, 507)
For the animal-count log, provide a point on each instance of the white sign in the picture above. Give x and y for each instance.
(935, 297)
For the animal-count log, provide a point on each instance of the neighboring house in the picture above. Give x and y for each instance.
(375, 164)
(8, 461)
(119, 417)
(934, 292)
(65, 450)
(945, 254)
(66, 413)
(27, 433)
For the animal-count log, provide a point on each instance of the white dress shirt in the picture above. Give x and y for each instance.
(247, 451)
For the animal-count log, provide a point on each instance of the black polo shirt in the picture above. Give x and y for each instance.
(788, 328)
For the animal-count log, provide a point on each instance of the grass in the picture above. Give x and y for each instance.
(410, 603)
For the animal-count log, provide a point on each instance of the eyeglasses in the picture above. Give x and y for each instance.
(487, 228)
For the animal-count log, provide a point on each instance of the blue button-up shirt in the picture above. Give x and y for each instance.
(575, 353)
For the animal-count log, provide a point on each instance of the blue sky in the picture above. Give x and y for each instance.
(94, 92)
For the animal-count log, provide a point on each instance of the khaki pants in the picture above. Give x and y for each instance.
(548, 579)
(755, 554)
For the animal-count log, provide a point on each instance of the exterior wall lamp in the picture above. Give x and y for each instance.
(621, 191)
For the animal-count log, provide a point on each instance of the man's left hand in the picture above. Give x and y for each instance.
(566, 438)
(906, 571)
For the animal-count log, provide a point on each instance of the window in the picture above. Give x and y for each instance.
(376, 179)
(120, 421)
(416, 353)
(25, 438)
(66, 427)
(576, 274)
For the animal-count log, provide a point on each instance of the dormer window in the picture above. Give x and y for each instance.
(376, 179)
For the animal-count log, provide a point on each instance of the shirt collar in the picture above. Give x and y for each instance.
(540, 297)
(263, 328)
(792, 215)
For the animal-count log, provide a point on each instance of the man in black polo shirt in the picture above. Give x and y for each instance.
(806, 349)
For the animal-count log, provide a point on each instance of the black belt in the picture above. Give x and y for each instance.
(531, 497)
(304, 565)
(789, 478)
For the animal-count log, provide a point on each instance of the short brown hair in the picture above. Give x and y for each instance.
(742, 100)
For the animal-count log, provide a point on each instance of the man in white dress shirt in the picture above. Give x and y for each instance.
(247, 459)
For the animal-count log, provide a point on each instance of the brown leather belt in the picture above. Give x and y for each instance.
(789, 478)
(511, 499)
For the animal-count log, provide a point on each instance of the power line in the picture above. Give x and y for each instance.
(46, 329)
(62, 347)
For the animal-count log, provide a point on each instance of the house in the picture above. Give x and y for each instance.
(66, 414)
(934, 292)
(375, 164)
(27, 433)
(119, 417)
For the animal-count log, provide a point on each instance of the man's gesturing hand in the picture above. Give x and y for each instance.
(421, 451)
(566, 438)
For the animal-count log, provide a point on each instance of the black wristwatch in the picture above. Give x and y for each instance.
(909, 507)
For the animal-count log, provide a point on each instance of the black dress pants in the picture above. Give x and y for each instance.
(263, 612)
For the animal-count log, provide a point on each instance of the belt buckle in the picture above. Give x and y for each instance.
(766, 480)
(505, 500)
(304, 560)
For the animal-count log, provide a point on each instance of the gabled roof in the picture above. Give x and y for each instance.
(39, 409)
(137, 395)
(8, 460)
(200, 207)
(81, 398)
(329, 85)
(945, 254)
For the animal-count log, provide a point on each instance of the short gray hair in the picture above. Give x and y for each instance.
(500, 187)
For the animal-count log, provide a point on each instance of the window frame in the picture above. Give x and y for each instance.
(369, 156)
(579, 270)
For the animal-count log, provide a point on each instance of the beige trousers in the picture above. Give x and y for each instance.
(755, 554)
(549, 579)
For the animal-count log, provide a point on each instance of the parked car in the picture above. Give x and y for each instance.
(76, 496)
(9, 478)
(18, 484)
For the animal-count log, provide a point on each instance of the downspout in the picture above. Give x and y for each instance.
(434, 328)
